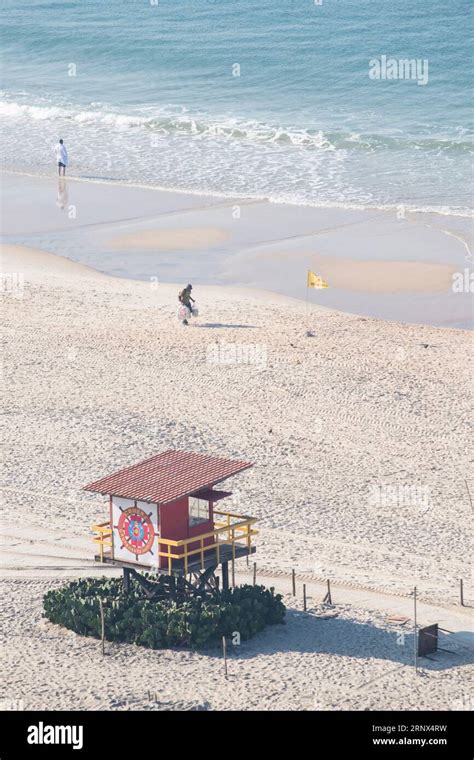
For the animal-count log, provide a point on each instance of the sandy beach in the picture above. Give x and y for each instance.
(236, 287)
(359, 436)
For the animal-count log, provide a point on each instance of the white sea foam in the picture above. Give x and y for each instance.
(168, 122)
(171, 148)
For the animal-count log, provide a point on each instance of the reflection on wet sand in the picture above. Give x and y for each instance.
(62, 198)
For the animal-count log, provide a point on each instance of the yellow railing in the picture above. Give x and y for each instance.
(104, 538)
(235, 533)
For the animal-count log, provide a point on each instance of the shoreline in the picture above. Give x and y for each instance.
(411, 209)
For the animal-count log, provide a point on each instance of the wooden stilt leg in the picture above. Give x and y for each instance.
(225, 576)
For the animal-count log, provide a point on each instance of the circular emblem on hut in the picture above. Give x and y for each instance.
(136, 530)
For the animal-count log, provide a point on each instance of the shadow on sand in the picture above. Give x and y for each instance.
(344, 637)
(220, 324)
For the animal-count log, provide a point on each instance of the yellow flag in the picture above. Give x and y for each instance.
(314, 281)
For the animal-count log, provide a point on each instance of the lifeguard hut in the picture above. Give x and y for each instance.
(162, 518)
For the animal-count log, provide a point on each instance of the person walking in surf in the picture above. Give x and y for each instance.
(61, 157)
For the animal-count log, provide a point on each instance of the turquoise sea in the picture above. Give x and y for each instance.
(268, 99)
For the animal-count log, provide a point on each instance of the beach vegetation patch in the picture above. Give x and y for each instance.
(131, 617)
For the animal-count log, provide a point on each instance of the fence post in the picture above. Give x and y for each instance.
(224, 650)
(102, 626)
(293, 581)
(254, 573)
(328, 597)
(415, 637)
(304, 597)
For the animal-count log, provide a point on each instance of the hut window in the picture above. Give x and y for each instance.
(198, 510)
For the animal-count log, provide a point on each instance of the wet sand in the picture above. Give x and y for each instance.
(377, 264)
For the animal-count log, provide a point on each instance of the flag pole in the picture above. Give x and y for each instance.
(307, 301)
(307, 275)
(316, 282)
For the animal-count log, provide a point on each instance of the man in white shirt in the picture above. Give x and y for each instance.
(61, 157)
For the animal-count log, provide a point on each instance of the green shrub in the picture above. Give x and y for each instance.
(132, 618)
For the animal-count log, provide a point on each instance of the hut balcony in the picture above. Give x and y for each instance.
(230, 539)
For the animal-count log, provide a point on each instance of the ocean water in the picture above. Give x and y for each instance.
(268, 99)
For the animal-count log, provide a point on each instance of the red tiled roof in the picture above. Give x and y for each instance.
(167, 476)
